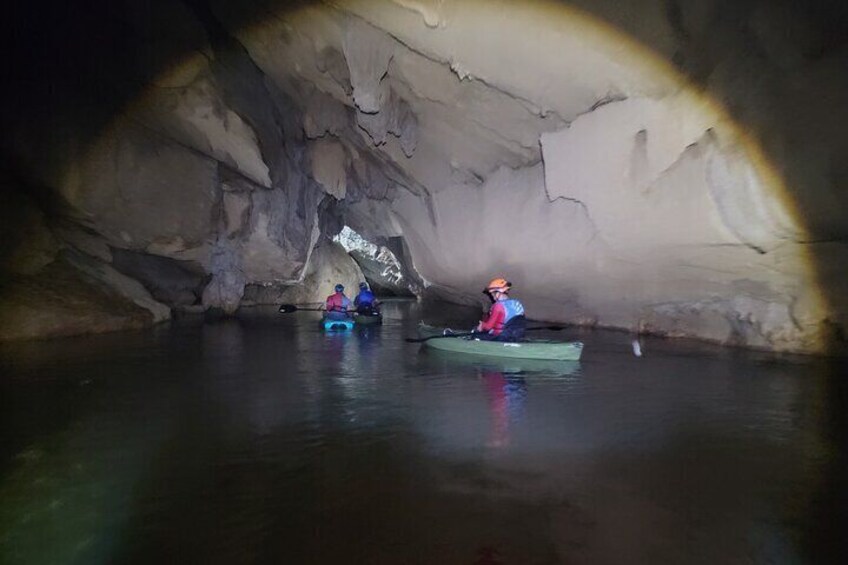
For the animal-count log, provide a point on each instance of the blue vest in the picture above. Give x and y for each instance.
(512, 308)
(365, 298)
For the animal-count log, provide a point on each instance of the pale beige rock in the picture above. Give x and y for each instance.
(429, 9)
(61, 301)
(394, 118)
(138, 187)
(225, 290)
(373, 219)
(265, 253)
(329, 166)
(368, 52)
(471, 234)
(328, 266)
(197, 116)
(324, 115)
(120, 284)
(546, 52)
(236, 212)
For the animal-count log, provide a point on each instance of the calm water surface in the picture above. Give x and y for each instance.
(263, 440)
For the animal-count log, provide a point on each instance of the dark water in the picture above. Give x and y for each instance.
(263, 440)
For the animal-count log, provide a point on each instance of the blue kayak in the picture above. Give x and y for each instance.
(337, 322)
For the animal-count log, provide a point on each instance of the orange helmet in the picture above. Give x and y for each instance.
(498, 284)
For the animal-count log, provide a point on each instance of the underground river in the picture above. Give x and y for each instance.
(261, 439)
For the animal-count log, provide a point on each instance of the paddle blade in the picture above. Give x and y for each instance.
(288, 308)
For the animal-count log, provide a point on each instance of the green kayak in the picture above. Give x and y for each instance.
(505, 365)
(527, 349)
(369, 319)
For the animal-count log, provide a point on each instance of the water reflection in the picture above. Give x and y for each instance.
(506, 404)
(505, 382)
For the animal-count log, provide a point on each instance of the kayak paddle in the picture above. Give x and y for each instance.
(289, 308)
(423, 339)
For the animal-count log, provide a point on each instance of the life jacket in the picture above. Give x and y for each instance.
(365, 298)
(337, 302)
(514, 323)
(512, 309)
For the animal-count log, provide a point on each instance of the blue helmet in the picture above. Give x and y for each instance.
(363, 286)
(339, 288)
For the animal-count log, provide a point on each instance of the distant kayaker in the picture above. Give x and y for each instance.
(506, 321)
(337, 303)
(365, 302)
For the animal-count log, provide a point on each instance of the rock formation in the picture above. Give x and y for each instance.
(385, 274)
(329, 265)
(676, 172)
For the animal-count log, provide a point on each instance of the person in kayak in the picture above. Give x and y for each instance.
(338, 304)
(365, 302)
(506, 321)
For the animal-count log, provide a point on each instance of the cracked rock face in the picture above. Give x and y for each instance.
(653, 173)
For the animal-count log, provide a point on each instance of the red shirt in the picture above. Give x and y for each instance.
(495, 320)
(337, 302)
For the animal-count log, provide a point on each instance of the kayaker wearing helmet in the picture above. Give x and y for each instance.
(365, 302)
(506, 321)
(338, 304)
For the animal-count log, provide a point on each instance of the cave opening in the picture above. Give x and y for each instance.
(382, 270)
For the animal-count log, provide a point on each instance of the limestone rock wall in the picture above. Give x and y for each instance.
(63, 299)
(660, 165)
(329, 265)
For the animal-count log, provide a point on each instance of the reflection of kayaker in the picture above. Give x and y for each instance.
(506, 404)
(335, 347)
(368, 338)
